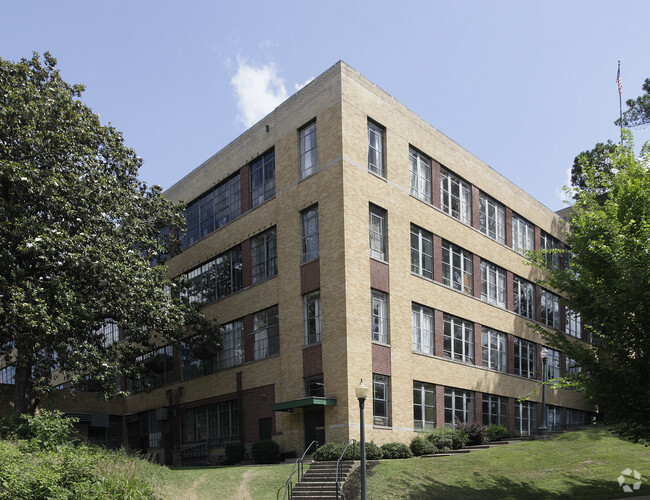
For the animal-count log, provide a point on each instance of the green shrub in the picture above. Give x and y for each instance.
(332, 452)
(474, 431)
(422, 446)
(266, 452)
(235, 451)
(44, 431)
(496, 433)
(441, 438)
(396, 450)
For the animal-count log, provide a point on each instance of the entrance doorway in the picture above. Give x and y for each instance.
(314, 426)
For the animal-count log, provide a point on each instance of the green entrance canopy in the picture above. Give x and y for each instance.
(303, 403)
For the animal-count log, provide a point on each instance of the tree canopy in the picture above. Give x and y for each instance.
(608, 284)
(78, 235)
(637, 113)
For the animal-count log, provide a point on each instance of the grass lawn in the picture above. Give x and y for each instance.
(582, 464)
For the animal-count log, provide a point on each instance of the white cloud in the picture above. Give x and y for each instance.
(299, 86)
(259, 91)
(562, 193)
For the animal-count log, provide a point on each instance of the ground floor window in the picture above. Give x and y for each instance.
(218, 423)
(495, 410)
(553, 418)
(381, 399)
(526, 417)
(424, 406)
(459, 406)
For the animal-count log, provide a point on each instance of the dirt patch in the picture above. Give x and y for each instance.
(242, 491)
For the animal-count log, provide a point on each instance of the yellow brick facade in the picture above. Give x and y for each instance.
(342, 101)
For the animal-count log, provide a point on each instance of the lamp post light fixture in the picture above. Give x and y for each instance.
(361, 392)
(543, 429)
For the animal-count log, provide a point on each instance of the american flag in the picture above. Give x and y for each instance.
(618, 79)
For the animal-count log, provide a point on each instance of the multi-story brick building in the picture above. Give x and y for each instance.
(343, 238)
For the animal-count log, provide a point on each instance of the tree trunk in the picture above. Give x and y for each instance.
(24, 398)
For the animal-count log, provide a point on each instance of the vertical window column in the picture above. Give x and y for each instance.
(378, 233)
(308, 150)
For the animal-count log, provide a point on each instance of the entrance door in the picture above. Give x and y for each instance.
(315, 426)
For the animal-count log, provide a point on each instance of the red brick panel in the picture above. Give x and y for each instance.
(312, 361)
(438, 334)
(476, 220)
(476, 264)
(435, 183)
(539, 415)
(381, 359)
(511, 353)
(562, 365)
(246, 261)
(249, 340)
(538, 238)
(437, 258)
(379, 276)
(508, 227)
(245, 188)
(310, 276)
(478, 345)
(538, 303)
(511, 413)
(478, 407)
(440, 406)
(256, 404)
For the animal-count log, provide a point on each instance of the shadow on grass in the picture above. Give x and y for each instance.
(489, 487)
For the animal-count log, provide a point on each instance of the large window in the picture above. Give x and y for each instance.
(420, 175)
(379, 316)
(263, 179)
(314, 386)
(553, 418)
(424, 406)
(493, 284)
(458, 339)
(572, 365)
(523, 235)
(267, 333)
(264, 256)
(495, 410)
(380, 399)
(456, 197)
(199, 358)
(552, 364)
(525, 358)
(551, 247)
(495, 349)
(524, 297)
(217, 423)
(421, 252)
(550, 304)
(110, 332)
(376, 135)
(311, 315)
(459, 406)
(457, 268)
(159, 366)
(378, 233)
(308, 151)
(422, 325)
(492, 215)
(216, 278)
(525, 417)
(212, 210)
(8, 374)
(310, 238)
(573, 323)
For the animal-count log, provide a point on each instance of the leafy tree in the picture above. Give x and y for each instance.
(600, 159)
(78, 235)
(608, 284)
(637, 113)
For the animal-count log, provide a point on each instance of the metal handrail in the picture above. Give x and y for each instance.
(288, 487)
(338, 465)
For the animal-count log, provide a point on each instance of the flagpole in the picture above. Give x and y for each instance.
(620, 99)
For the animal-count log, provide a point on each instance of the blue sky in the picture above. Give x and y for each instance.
(523, 85)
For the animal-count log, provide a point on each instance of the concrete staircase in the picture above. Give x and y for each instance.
(320, 479)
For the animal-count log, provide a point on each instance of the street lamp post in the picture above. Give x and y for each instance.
(361, 392)
(543, 430)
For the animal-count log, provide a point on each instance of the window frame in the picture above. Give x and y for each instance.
(467, 408)
(494, 348)
(452, 343)
(493, 284)
(550, 309)
(262, 178)
(424, 407)
(378, 239)
(312, 322)
(455, 197)
(523, 292)
(457, 264)
(310, 236)
(495, 410)
(523, 235)
(376, 149)
(421, 261)
(525, 358)
(264, 256)
(420, 175)
(492, 218)
(379, 316)
(418, 330)
(308, 149)
(266, 333)
(381, 398)
(526, 425)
